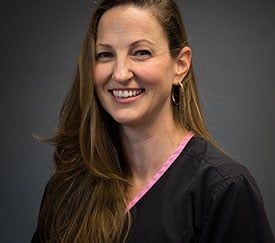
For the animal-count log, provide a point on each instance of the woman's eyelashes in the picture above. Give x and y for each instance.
(104, 55)
(140, 54)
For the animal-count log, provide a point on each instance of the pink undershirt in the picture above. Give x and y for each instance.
(162, 170)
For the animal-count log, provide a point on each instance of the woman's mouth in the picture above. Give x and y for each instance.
(126, 93)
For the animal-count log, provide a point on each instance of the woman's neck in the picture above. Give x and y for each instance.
(146, 148)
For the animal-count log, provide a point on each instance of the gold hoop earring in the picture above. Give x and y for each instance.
(180, 92)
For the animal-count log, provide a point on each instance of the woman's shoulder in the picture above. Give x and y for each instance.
(213, 166)
(227, 196)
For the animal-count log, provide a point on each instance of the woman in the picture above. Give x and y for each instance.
(134, 160)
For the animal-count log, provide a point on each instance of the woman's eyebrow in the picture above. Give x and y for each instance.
(140, 41)
(103, 45)
(131, 45)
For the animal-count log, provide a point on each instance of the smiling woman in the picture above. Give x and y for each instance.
(134, 71)
(134, 160)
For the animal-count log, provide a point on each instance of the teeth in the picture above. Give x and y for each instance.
(126, 93)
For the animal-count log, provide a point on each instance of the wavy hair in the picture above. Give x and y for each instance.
(85, 199)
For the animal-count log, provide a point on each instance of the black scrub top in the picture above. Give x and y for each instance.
(204, 197)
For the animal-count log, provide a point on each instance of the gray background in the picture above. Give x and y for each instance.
(234, 59)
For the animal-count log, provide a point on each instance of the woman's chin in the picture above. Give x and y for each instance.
(127, 119)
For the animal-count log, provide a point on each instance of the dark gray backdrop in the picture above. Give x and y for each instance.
(234, 59)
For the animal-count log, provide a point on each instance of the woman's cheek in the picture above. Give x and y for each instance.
(101, 74)
(150, 72)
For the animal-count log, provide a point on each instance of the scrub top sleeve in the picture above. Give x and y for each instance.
(235, 213)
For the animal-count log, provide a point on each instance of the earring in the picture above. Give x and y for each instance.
(181, 90)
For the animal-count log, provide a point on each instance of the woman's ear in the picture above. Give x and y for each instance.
(183, 63)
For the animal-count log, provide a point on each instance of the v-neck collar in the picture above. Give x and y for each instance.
(161, 171)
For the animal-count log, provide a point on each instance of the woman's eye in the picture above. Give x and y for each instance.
(142, 53)
(103, 55)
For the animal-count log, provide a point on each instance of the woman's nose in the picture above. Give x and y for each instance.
(122, 71)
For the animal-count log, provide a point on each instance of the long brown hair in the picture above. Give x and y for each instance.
(86, 197)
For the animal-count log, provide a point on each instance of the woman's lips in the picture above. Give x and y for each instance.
(126, 93)
(124, 96)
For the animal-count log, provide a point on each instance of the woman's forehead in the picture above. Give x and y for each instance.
(128, 21)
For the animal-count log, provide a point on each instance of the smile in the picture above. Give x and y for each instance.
(122, 94)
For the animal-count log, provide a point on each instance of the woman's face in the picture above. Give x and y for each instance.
(134, 71)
